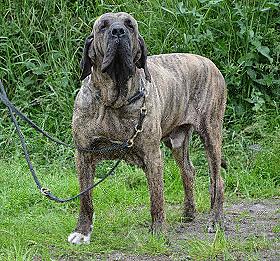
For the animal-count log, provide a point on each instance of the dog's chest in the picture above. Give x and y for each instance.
(92, 121)
(113, 124)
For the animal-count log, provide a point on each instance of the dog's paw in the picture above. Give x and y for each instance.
(211, 228)
(188, 216)
(78, 238)
(157, 228)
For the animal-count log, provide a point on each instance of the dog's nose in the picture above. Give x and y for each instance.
(118, 31)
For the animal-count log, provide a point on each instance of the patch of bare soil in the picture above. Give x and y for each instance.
(243, 220)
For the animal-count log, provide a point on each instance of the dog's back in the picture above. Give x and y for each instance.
(188, 86)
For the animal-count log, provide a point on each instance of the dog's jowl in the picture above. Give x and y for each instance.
(183, 93)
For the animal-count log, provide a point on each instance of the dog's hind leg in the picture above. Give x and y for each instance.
(179, 144)
(212, 138)
(86, 169)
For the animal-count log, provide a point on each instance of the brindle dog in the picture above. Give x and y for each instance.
(184, 92)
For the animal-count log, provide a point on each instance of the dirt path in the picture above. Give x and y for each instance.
(244, 220)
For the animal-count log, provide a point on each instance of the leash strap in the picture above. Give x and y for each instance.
(46, 192)
(49, 195)
(23, 144)
(8, 104)
(12, 108)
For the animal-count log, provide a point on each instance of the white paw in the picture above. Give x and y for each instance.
(79, 238)
(211, 229)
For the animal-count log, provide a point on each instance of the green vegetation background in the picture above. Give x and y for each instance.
(40, 47)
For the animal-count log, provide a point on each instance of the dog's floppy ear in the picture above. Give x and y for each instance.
(142, 62)
(86, 62)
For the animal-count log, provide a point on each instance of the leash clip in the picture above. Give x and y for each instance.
(130, 142)
(143, 111)
(45, 191)
(137, 129)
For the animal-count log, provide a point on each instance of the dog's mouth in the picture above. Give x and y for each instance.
(118, 62)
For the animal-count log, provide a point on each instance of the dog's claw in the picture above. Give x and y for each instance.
(214, 226)
(211, 228)
(78, 238)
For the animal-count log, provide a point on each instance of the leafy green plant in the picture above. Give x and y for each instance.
(41, 44)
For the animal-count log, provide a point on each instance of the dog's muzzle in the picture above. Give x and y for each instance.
(118, 49)
(118, 30)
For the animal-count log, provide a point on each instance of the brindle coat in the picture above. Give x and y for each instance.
(184, 92)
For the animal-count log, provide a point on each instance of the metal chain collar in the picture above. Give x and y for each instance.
(139, 127)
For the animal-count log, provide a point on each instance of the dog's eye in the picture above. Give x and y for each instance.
(104, 25)
(129, 24)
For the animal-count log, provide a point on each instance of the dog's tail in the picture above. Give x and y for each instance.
(224, 164)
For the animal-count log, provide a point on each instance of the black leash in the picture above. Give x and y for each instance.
(46, 192)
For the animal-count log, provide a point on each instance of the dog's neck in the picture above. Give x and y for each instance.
(108, 91)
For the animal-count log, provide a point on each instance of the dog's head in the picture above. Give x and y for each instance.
(116, 46)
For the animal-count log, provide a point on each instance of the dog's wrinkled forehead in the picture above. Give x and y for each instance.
(105, 21)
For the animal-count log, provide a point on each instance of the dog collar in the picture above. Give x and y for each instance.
(139, 94)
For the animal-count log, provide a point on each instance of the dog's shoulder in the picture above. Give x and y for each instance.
(85, 97)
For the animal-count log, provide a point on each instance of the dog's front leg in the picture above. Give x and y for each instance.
(154, 173)
(85, 168)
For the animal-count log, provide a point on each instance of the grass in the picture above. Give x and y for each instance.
(40, 47)
(33, 226)
(222, 248)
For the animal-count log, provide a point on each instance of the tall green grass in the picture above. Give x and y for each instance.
(41, 44)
